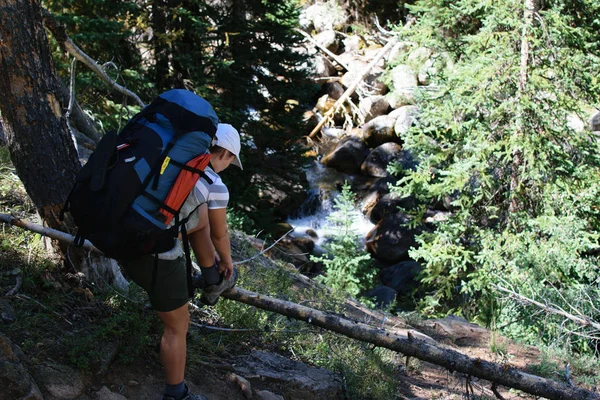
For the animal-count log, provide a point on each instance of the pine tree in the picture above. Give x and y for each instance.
(495, 139)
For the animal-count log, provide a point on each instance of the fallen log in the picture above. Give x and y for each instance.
(408, 345)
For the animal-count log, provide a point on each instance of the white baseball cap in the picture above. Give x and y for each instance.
(229, 139)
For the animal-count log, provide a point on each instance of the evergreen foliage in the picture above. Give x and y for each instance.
(242, 56)
(495, 140)
(347, 266)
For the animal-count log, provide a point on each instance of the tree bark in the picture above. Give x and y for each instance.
(41, 148)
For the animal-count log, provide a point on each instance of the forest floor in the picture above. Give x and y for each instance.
(56, 317)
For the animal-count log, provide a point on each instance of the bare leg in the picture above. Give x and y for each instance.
(173, 343)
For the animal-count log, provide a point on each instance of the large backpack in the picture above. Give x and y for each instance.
(127, 198)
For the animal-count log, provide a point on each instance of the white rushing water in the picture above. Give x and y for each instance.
(313, 217)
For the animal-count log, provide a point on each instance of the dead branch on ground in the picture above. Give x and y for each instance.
(352, 88)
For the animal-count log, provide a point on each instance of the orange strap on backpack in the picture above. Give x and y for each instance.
(183, 185)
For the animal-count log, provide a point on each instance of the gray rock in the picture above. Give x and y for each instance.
(405, 118)
(106, 394)
(390, 240)
(401, 276)
(299, 381)
(380, 130)
(59, 381)
(595, 122)
(383, 295)
(7, 312)
(373, 106)
(328, 39)
(266, 395)
(377, 161)
(15, 380)
(348, 156)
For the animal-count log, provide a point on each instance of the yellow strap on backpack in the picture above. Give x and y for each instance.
(164, 164)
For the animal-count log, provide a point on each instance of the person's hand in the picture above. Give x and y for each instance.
(225, 267)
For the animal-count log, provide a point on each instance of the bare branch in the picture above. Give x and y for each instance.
(553, 309)
(63, 39)
(49, 232)
(323, 49)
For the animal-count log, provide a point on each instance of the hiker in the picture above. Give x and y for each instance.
(209, 240)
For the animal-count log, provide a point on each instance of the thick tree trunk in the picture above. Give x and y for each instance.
(40, 145)
(41, 148)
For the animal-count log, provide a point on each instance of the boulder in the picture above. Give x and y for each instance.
(15, 380)
(106, 394)
(404, 82)
(391, 239)
(382, 205)
(380, 130)
(322, 67)
(377, 161)
(405, 118)
(297, 380)
(595, 122)
(348, 156)
(59, 381)
(382, 295)
(373, 106)
(402, 276)
(334, 90)
(322, 17)
(328, 39)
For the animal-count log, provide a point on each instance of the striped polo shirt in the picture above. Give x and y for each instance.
(215, 194)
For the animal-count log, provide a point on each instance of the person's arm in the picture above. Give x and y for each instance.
(219, 234)
(200, 241)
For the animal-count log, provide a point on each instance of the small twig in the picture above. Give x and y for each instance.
(496, 392)
(262, 251)
(381, 29)
(16, 288)
(23, 297)
(568, 375)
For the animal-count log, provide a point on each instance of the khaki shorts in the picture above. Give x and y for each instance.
(170, 289)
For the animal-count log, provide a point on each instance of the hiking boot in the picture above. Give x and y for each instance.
(211, 293)
(188, 396)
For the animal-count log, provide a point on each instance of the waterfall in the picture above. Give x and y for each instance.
(311, 220)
